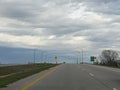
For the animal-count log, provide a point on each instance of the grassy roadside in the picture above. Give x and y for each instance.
(11, 74)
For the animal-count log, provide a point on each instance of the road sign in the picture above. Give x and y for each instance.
(56, 59)
(92, 58)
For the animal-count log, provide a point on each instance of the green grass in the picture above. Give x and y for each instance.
(20, 71)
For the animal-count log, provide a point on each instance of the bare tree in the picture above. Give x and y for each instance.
(109, 57)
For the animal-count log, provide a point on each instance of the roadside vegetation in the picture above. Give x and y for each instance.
(109, 58)
(11, 74)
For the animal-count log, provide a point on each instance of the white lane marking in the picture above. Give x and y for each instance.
(114, 89)
(83, 69)
(91, 74)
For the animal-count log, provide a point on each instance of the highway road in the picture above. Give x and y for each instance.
(71, 77)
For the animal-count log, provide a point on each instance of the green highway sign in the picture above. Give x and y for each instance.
(92, 58)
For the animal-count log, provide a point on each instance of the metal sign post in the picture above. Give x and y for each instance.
(56, 59)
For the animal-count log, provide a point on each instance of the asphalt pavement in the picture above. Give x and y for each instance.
(71, 77)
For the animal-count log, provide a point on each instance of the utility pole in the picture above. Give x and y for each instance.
(41, 57)
(80, 57)
(34, 55)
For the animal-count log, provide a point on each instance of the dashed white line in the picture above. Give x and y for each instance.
(114, 89)
(83, 69)
(91, 74)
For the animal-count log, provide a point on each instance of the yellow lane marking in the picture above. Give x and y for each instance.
(39, 78)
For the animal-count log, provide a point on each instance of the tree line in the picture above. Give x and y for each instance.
(109, 58)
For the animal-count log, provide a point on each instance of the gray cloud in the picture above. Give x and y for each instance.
(60, 23)
(109, 7)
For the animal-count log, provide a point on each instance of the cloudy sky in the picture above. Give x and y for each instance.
(60, 25)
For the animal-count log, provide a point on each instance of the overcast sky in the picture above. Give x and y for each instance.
(92, 25)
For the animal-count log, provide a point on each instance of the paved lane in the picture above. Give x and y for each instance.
(77, 77)
(105, 75)
(72, 77)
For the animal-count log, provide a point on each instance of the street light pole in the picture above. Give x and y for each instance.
(77, 59)
(82, 56)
